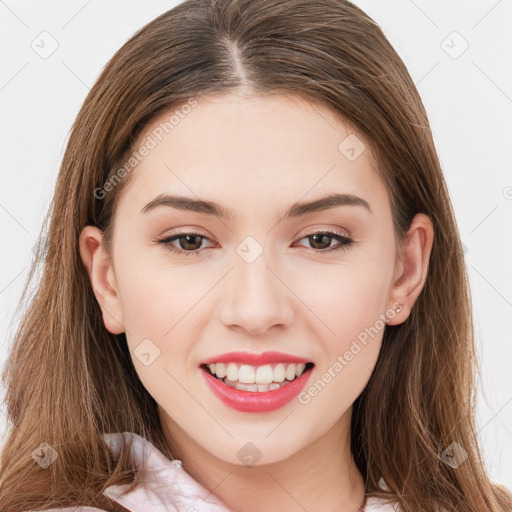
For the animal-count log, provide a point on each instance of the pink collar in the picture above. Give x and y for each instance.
(166, 487)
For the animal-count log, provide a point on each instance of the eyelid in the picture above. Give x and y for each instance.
(325, 229)
(188, 230)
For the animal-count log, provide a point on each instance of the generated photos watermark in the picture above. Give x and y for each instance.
(150, 142)
(344, 359)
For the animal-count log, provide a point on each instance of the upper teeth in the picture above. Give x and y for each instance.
(266, 374)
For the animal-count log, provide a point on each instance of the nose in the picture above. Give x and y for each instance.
(257, 296)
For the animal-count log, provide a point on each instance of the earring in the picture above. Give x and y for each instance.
(397, 308)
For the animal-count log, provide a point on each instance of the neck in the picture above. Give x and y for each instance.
(321, 476)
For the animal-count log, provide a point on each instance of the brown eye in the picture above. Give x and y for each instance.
(321, 241)
(188, 243)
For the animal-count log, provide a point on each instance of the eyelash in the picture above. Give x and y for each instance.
(345, 242)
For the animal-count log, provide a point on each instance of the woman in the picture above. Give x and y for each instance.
(254, 295)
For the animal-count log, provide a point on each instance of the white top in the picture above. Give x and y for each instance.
(167, 487)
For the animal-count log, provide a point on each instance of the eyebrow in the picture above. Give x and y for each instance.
(296, 210)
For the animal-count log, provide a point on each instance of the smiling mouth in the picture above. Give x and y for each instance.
(261, 386)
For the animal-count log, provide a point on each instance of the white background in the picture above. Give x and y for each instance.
(468, 99)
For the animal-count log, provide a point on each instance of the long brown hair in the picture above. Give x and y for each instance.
(66, 374)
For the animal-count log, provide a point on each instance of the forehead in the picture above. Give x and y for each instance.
(240, 150)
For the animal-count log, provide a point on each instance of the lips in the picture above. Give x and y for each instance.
(255, 401)
(254, 359)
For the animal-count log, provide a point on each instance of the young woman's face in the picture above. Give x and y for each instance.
(255, 281)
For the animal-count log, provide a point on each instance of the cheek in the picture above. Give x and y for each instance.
(347, 299)
(362, 308)
(163, 307)
(147, 303)
(354, 347)
(155, 297)
(158, 309)
(350, 300)
(350, 345)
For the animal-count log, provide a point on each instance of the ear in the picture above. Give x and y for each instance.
(411, 269)
(102, 277)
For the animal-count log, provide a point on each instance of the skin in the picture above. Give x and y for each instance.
(246, 152)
